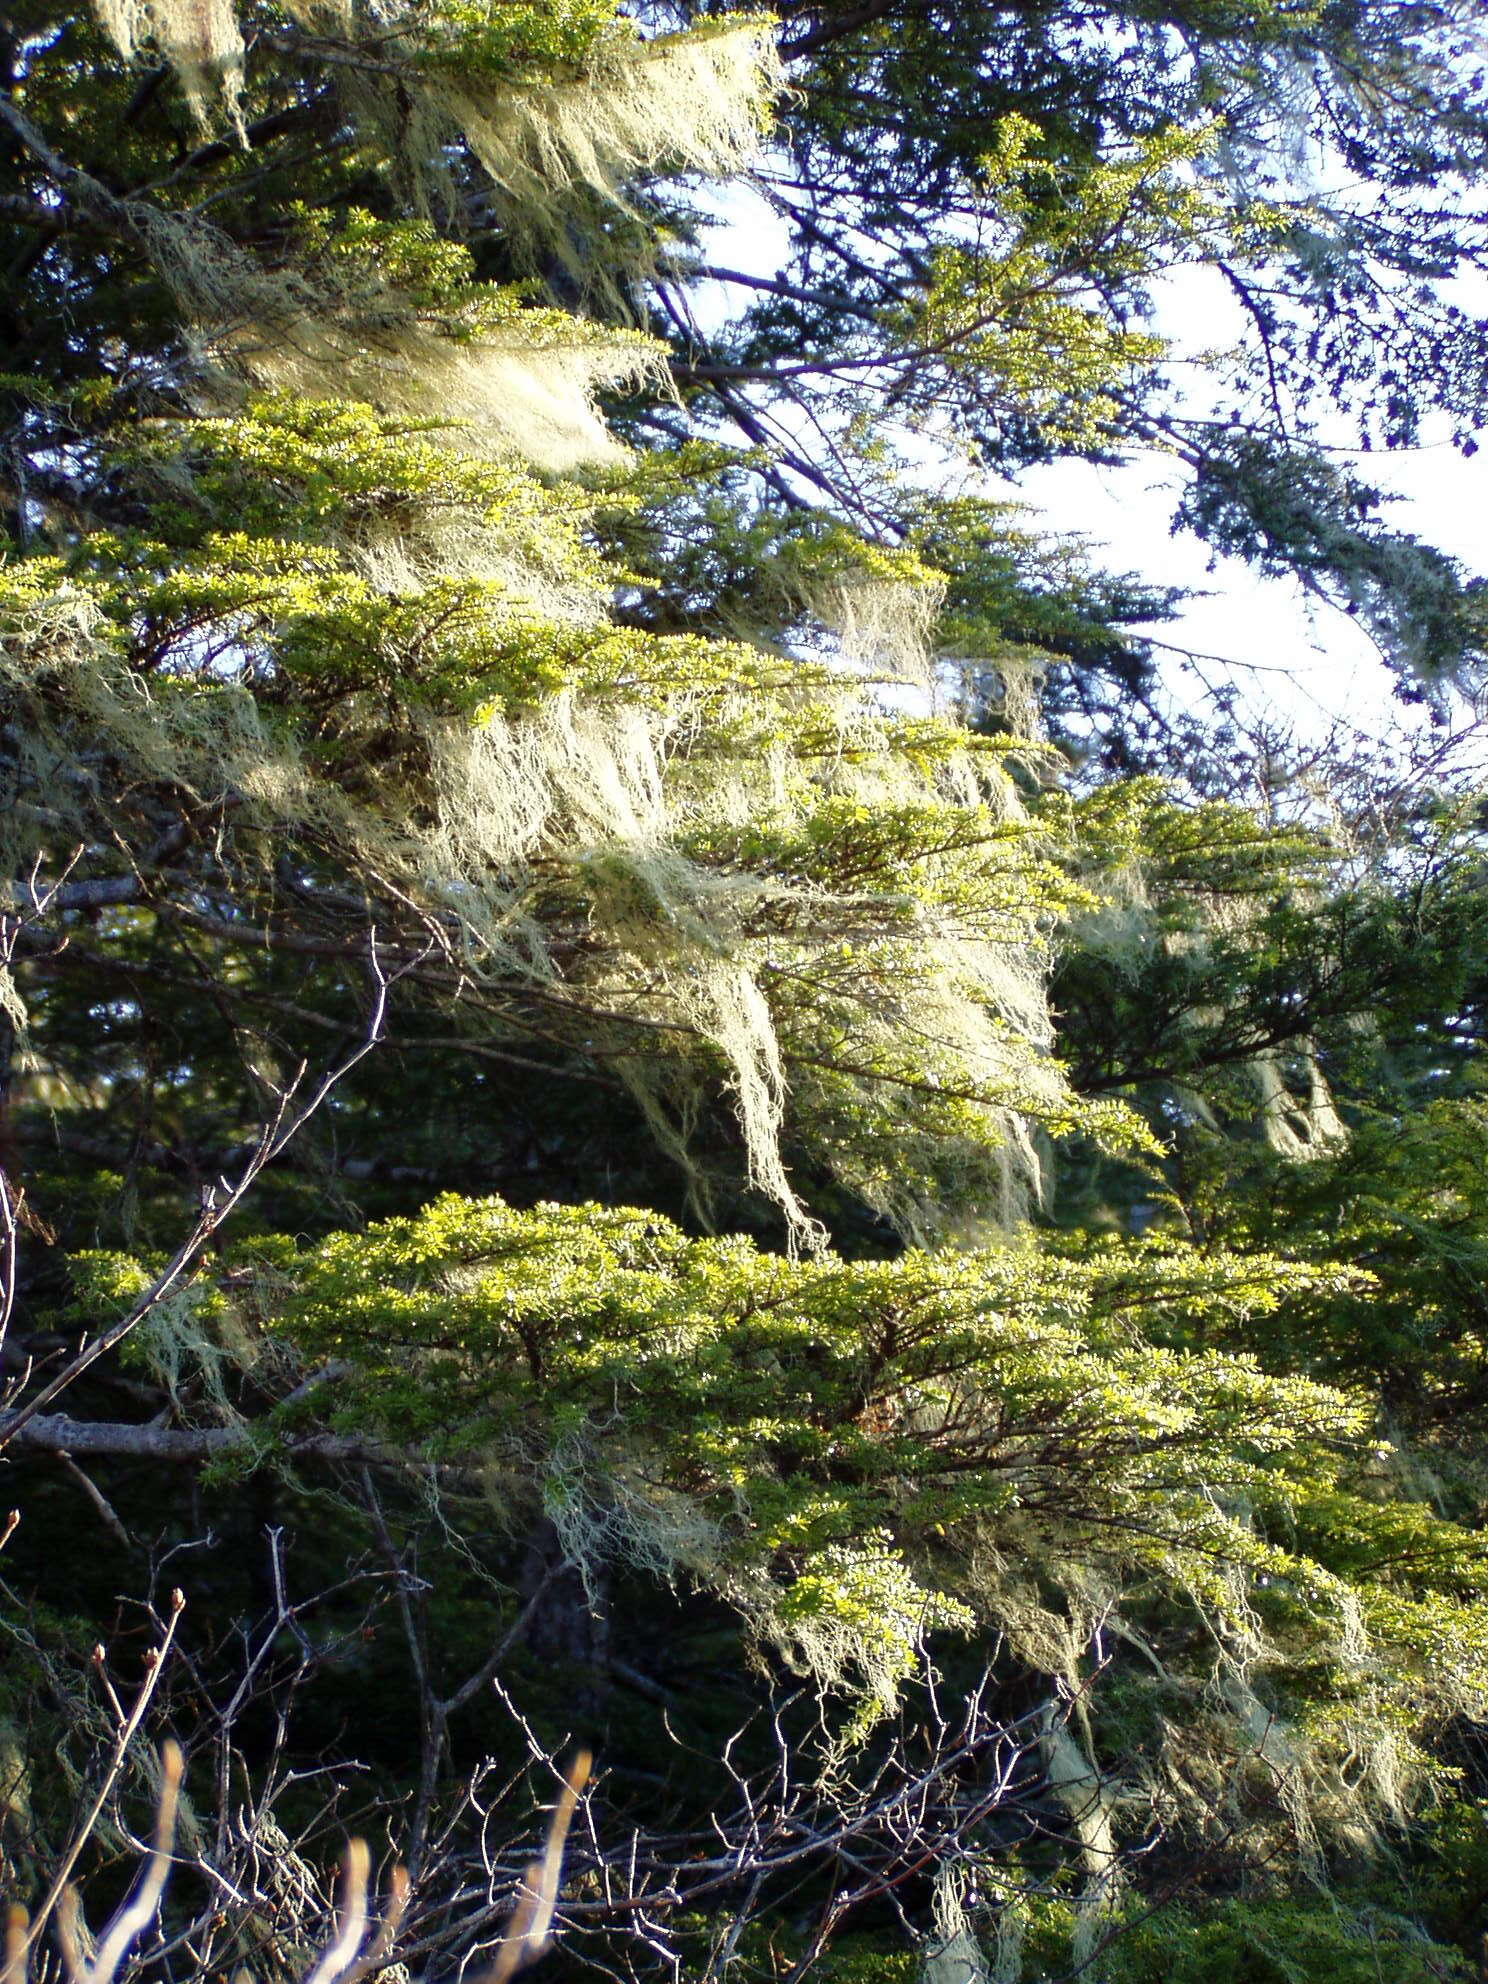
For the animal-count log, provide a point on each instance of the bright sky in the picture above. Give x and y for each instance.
(1284, 652)
(1286, 656)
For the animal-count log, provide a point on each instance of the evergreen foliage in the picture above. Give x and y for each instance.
(642, 1099)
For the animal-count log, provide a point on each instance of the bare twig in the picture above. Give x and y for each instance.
(435, 1710)
(10, 1241)
(106, 1510)
(154, 1667)
(351, 1918)
(529, 1931)
(379, 1950)
(219, 1201)
(138, 1911)
(870, 1831)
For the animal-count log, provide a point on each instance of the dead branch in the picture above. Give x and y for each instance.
(220, 1201)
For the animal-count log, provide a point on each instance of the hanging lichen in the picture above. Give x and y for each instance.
(199, 39)
(884, 626)
(695, 102)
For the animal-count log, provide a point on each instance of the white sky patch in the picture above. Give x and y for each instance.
(1286, 656)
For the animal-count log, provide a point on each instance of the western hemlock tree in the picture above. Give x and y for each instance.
(564, 1027)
